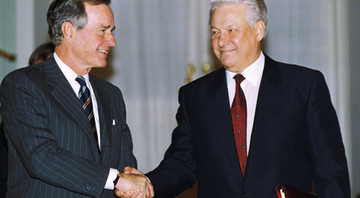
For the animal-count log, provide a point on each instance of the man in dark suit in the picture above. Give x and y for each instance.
(290, 134)
(66, 129)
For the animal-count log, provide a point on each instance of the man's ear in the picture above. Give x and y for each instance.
(68, 31)
(260, 30)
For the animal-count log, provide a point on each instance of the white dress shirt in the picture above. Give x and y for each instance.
(70, 75)
(250, 87)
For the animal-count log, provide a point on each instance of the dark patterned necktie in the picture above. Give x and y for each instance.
(239, 114)
(84, 97)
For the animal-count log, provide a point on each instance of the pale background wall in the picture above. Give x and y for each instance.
(354, 103)
(158, 39)
(7, 38)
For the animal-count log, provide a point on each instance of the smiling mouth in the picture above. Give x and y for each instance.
(102, 51)
(227, 50)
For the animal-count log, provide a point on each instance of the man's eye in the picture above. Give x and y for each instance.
(102, 30)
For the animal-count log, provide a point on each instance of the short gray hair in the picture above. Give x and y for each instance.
(257, 10)
(72, 11)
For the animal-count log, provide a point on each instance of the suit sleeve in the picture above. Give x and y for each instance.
(25, 118)
(325, 144)
(4, 162)
(177, 171)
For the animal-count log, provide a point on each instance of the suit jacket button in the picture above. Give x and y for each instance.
(244, 195)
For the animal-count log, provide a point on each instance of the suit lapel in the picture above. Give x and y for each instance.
(104, 109)
(220, 115)
(269, 101)
(64, 94)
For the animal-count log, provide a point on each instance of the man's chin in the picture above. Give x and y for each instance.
(231, 68)
(101, 65)
(226, 64)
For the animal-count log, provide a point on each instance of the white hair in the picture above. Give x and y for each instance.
(257, 10)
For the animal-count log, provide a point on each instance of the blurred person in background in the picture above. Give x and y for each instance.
(41, 53)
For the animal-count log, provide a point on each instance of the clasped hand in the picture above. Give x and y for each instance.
(133, 184)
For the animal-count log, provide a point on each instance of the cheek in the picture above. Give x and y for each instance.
(214, 43)
(90, 39)
(236, 41)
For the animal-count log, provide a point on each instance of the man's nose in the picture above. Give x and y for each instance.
(223, 40)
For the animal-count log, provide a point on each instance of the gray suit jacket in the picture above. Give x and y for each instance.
(52, 152)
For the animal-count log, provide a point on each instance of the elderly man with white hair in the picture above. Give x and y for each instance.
(254, 123)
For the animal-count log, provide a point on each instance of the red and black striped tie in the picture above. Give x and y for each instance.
(84, 97)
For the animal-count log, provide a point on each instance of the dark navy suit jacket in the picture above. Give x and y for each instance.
(4, 162)
(295, 139)
(52, 151)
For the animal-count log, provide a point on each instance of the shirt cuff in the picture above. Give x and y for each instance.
(110, 180)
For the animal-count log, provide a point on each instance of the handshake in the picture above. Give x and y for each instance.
(133, 184)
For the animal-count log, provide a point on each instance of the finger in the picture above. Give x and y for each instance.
(137, 194)
(129, 194)
(119, 193)
(147, 194)
(151, 190)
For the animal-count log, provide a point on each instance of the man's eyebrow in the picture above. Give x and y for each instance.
(108, 27)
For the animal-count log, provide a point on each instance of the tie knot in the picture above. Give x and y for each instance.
(81, 80)
(239, 78)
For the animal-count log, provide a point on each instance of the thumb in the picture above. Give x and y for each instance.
(128, 170)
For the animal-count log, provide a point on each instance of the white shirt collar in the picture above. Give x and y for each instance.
(71, 78)
(69, 73)
(252, 74)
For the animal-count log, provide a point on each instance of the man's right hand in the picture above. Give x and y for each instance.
(134, 185)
